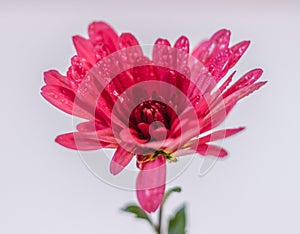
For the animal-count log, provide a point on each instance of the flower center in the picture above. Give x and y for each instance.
(152, 120)
(150, 157)
(151, 111)
(169, 156)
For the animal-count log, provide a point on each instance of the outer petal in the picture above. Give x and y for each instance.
(128, 40)
(150, 184)
(63, 99)
(53, 77)
(162, 55)
(212, 150)
(91, 126)
(84, 48)
(209, 49)
(186, 126)
(182, 48)
(218, 135)
(220, 111)
(131, 50)
(218, 66)
(100, 32)
(182, 44)
(243, 92)
(217, 56)
(237, 51)
(83, 141)
(120, 160)
(216, 116)
(226, 82)
(101, 51)
(247, 79)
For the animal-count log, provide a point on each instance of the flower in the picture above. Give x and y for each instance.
(151, 109)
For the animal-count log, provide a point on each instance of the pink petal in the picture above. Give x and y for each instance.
(227, 82)
(120, 160)
(212, 150)
(190, 130)
(220, 111)
(158, 134)
(91, 126)
(131, 50)
(201, 51)
(163, 42)
(101, 51)
(100, 32)
(131, 136)
(128, 40)
(53, 77)
(247, 79)
(84, 48)
(243, 92)
(162, 56)
(216, 116)
(218, 135)
(182, 47)
(221, 39)
(215, 54)
(186, 126)
(237, 51)
(218, 65)
(77, 71)
(83, 141)
(106, 135)
(182, 44)
(63, 99)
(144, 128)
(184, 152)
(209, 49)
(150, 184)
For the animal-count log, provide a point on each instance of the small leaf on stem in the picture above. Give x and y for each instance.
(169, 192)
(178, 222)
(139, 213)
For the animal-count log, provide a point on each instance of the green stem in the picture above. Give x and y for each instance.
(160, 214)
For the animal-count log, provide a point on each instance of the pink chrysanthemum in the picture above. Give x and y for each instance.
(151, 109)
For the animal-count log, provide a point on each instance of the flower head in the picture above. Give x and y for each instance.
(151, 109)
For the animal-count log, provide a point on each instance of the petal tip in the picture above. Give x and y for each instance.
(223, 154)
(222, 33)
(239, 129)
(247, 43)
(115, 168)
(60, 140)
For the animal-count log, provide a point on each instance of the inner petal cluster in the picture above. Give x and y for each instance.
(151, 119)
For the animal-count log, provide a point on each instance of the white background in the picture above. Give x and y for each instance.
(45, 189)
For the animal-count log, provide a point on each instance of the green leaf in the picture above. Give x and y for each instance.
(139, 213)
(178, 222)
(169, 192)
